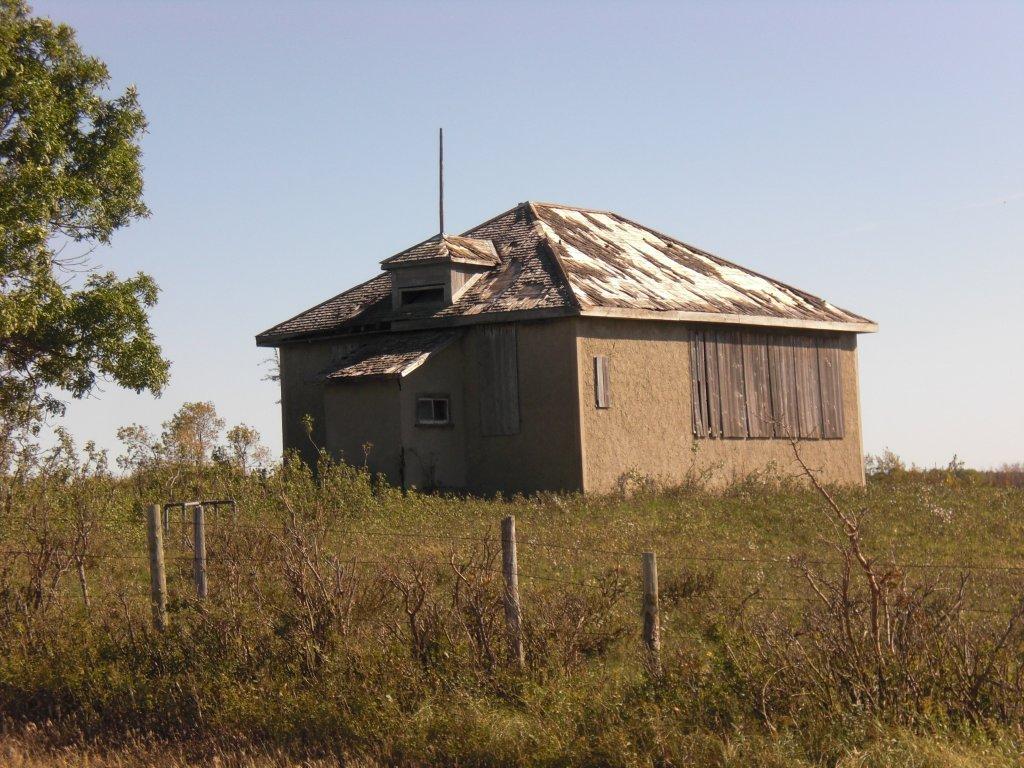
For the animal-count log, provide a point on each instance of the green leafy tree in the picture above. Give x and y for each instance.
(70, 176)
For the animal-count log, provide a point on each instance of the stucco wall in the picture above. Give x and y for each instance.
(545, 454)
(435, 456)
(649, 427)
(302, 392)
(363, 424)
(301, 395)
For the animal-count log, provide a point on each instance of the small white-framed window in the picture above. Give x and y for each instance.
(433, 410)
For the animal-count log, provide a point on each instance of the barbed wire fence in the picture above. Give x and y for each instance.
(193, 521)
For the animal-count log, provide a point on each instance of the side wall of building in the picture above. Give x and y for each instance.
(649, 427)
(303, 393)
(364, 426)
(435, 456)
(545, 454)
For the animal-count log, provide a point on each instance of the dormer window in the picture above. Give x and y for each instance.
(422, 296)
(436, 272)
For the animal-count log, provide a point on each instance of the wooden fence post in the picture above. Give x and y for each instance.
(652, 622)
(157, 576)
(199, 550)
(513, 609)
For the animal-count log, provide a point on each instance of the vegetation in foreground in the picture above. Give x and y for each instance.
(349, 623)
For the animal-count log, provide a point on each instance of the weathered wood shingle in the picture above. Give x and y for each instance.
(564, 260)
(391, 355)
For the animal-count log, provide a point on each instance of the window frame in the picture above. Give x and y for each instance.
(433, 398)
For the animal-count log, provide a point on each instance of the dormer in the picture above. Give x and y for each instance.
(435, 273)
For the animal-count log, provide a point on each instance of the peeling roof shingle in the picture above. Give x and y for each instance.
(612, 262)
(394, 355)
(545, 256)
(462, 250)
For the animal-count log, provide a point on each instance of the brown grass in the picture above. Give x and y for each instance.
(350, 624)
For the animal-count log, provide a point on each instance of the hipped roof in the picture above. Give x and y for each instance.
(561, 260)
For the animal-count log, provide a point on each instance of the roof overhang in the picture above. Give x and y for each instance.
(720, 318)
(391, 356)
(619, 313)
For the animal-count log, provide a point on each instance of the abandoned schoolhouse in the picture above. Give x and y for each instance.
(561, 348)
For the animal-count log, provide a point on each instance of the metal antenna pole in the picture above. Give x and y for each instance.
(440, 176)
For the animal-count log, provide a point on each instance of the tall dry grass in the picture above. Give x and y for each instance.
(348, 622)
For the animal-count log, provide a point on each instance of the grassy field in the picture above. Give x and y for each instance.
(348, 623)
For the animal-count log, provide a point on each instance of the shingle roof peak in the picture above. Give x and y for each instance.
(446, 248)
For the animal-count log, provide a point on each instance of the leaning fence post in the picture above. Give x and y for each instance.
(513, 609)
(199, 550)
(652, 622)
(157, 576)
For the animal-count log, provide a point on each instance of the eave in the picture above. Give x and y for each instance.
(729, 319)
(614, 313)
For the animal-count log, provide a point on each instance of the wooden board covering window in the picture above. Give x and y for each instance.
(763, 384)
(808, 387)
(756, 384)
(713, 391)
(699, 386)
(497, 364)
(730, 384)
(782, 371)
(830, 376)
(602, 382)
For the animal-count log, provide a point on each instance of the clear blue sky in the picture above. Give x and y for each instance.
(870, 153)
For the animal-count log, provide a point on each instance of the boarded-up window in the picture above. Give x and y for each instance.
(730, 384)
(699, 386)
(831, 388)
(762, 385)
(602, 382)
(498, 369)
(757, 385)
(782, 373)
(808, 388)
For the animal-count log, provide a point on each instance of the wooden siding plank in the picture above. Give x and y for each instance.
(808, 387)
(699, 384)
(831, 379)
(606, 372)
(714, 393)
(730, 377)
(602, 382)
(499, 380)
(782, 373)
(757, 386)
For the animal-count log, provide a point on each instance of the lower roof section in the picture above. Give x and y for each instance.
(391, 356)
